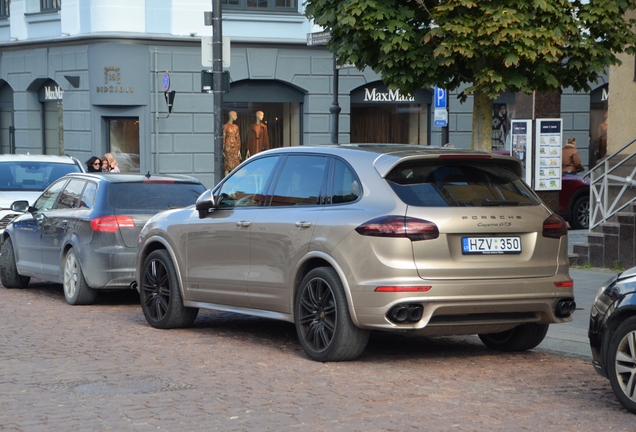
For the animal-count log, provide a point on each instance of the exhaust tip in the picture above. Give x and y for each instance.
(409, 313)
(565, 308)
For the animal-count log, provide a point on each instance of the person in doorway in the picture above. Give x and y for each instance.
(258, 136)
(600, 145)
(94, 164)
(231, 143)
(571, 160)
(112, 163)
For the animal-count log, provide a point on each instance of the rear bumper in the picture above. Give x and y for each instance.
(467, 307)
(110, 267)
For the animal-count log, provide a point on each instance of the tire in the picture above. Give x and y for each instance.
(323, 323)
(580, 213)
(76, 290)
(9, 275)
(520, 338)
(621, 362)
(159, 294)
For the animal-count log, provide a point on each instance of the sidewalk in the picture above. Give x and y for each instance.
(571, 339)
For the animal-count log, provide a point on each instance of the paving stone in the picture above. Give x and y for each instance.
(101, 367)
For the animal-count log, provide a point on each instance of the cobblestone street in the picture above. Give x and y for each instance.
(102, 367)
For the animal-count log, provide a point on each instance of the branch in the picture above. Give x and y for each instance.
(423, 6)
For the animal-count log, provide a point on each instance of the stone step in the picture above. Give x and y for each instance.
(574, 259)
(610, 228)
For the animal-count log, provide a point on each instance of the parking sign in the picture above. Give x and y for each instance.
(440, 97)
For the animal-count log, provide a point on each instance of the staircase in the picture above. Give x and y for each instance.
(610, 244)
(611, 241)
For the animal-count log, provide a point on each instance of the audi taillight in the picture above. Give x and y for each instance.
(554, 227)
(112, 223)
(399, 226)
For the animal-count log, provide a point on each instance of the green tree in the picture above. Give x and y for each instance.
(489, 45)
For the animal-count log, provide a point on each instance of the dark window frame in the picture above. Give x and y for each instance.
(5, 8)
(50, 5)
(271, 6)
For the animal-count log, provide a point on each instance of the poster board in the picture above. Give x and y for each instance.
(521, 146)
(549, 136)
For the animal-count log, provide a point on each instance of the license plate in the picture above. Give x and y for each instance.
(491, 245)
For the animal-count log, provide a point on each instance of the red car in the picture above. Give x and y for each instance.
(574, 198)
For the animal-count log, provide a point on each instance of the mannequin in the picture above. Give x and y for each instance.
(231, 143)
(258, 137)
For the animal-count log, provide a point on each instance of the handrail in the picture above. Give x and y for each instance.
(602, 178)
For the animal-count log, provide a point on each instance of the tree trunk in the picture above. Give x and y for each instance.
(482, 122)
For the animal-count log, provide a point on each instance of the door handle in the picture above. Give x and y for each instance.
(243, 224)
(303, 225)
(64, 224)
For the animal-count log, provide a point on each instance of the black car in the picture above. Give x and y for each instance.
(82, 231)
(613, 335)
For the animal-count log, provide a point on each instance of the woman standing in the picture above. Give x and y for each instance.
(94, 164)
(571, 163)
(112, 163)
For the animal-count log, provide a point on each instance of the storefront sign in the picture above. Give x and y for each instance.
(118, 74)
(548, 154)
(50, 92)
(378, 93)
(373, 95)
(112, 78)
(522, 146)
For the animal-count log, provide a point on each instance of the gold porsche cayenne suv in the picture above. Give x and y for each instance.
(342, 240)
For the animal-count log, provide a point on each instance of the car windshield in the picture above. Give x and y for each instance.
(455, 185)
(153, 196)
(32, 176)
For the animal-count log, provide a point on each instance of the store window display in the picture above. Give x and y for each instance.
(231, 143)
(262, 125)
(258, 136)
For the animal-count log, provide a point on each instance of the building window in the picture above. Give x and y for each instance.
(123, 142)
(4, 8)
(262, 5)
(50, 5)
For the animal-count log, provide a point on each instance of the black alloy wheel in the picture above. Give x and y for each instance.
(323, 323)
(160, 298)
(621, 362)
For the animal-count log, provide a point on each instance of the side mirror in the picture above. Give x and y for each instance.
(20, 206)
(205, 203)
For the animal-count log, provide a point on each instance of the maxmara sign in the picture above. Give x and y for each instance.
(373, 95)
(53, 93)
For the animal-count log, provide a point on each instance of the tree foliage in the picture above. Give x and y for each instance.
(489, 45)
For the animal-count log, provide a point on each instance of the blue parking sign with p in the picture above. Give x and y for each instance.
(440, 97)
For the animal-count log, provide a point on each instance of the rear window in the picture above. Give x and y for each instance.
(32, 176)
(153, 196)
(459, 185)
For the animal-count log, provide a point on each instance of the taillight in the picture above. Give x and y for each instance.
(112, 223)
(554, 227)
(565, 284)
(399, 226)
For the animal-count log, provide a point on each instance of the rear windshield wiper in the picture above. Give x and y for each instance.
(494, 203)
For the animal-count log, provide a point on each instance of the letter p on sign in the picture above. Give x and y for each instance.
(440, 98)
